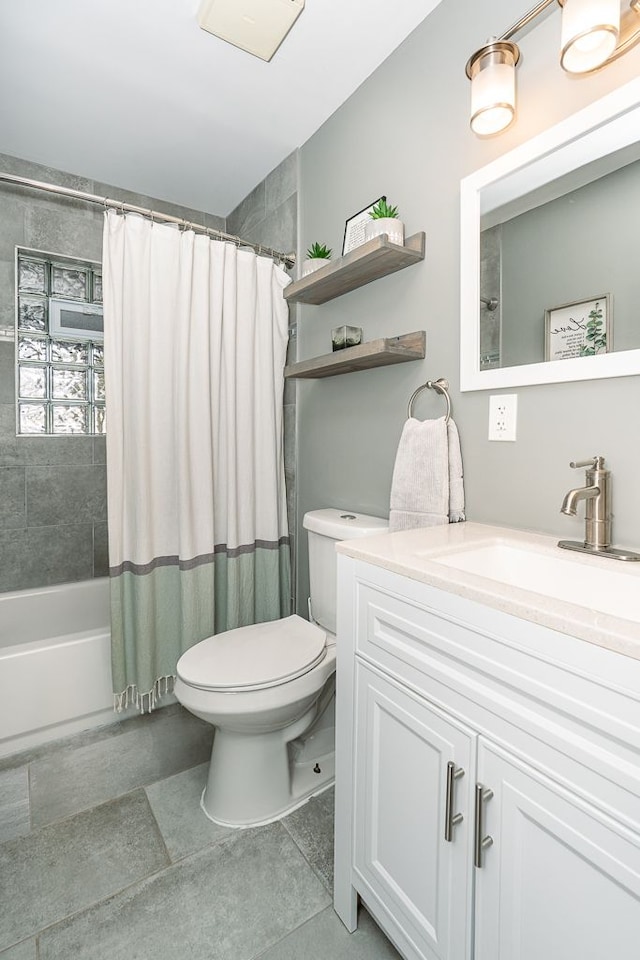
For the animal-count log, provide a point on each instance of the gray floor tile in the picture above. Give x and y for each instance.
(22, 951)
(324, 936)
(14, 803)
(122, 723)
(227, 903)
(53, 747)
(176, 806)
(78, 778)
(311, 826)
(64, 868)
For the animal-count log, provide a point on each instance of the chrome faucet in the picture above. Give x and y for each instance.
(597, 534)
(597, 494)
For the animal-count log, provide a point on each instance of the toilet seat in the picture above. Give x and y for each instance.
(255, 657)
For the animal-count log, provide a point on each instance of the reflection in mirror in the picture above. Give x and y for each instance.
(575, 250)
(549, 240)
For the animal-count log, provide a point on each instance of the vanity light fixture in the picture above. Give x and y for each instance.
(492, 71)
(593, 34)
(589, 33)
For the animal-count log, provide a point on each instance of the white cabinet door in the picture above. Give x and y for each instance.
(561, 881)
(419, 881)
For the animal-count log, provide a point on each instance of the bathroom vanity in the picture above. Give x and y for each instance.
(488, 746)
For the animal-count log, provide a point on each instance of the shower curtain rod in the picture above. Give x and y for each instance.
(288, 259)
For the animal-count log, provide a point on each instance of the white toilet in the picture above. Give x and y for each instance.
(266, 686)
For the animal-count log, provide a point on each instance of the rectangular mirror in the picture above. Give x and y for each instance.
(550, 290)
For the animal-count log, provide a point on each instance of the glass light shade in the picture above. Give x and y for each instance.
(590, 31)
(493, 88)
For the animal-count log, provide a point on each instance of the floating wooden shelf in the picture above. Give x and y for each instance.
(375, 353)
(373, 259)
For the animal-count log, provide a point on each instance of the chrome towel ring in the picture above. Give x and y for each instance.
(441, 386)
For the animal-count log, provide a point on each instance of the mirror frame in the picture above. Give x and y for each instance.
(601, 128)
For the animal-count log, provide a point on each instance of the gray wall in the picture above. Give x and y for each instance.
(405, 133)
(52, 489)
(269, 215)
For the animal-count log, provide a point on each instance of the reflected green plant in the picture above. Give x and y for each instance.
(595, 334)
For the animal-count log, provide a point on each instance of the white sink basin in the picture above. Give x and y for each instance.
(598, 584)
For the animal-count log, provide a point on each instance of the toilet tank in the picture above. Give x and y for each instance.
(324, 528)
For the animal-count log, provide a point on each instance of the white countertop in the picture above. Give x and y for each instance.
(415, 553)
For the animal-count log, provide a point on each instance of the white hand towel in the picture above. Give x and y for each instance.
(456, 483)
(427, 488)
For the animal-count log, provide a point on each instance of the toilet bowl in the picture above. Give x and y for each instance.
(255, 718)
(267, 688)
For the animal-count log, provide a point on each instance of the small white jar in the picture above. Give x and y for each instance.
(392, 226)
(313, 263)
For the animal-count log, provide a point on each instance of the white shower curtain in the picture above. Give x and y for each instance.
(195, 343)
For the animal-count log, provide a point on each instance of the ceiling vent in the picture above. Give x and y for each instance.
(257, 26)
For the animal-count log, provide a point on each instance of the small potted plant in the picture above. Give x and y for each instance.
(318, 256)
(383, 218)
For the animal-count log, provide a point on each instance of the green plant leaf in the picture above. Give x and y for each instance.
(318, 251)
(382, 209)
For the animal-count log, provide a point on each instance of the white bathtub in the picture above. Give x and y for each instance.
(55, 663)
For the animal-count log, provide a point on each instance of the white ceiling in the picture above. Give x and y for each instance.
(134, 93)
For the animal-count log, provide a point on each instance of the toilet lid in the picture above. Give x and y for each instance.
(253, 657)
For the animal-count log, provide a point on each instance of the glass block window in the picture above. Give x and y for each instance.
(33, 313)
(32, 275)
(70, 283)
(60, 381)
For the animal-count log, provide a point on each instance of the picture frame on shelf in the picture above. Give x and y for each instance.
(354, 235)
(583, 328)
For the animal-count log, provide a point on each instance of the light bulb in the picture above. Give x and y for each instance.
(590, 31)
(493, 87)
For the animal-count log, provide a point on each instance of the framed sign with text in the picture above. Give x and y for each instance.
(583, 328)
(354, 228)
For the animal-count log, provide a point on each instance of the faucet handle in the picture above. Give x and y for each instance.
(595, 462)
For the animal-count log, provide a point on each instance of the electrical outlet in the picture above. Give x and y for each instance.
(503, 416)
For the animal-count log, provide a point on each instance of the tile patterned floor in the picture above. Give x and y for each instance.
(102, 859)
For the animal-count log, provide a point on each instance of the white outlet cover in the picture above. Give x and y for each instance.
(503, 416)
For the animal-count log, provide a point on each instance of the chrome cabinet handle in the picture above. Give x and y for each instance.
(451, 820)
(483, 795)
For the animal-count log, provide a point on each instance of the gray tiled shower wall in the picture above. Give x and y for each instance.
(490, 287)
(53, 516)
